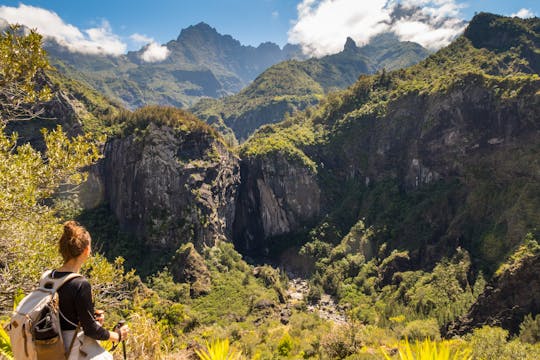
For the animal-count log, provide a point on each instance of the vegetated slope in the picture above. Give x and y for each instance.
(294, 85)
(436, 157)
(201, 63)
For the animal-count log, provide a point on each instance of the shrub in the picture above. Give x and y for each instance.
(430, 350)
(529, 330)
(314, 294)
(421, 329)
(285, 345)
(218, 350)
(489, 343)
(342, 341)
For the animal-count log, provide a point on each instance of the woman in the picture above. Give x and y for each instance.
(75, 299)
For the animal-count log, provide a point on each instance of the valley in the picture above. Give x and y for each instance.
(324, 208)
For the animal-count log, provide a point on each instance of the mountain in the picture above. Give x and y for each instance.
(201, 63)
(293, 85)
(411, 183)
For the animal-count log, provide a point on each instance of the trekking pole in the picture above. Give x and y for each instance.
(120, 324)
(117, 328)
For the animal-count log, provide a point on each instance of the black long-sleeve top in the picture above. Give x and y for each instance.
(75, 302)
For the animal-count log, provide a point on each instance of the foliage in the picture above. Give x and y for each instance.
(529, 330)
(492, 343)
(430, 350)
(421, 329)
(138, 120)
(21, 60)
(5, 343)
(285, 345)
(28, 228)
(529, 248)
(218, 350)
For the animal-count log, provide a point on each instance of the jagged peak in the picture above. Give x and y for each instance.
(350, 44)
(201, 28)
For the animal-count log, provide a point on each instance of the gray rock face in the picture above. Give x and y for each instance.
(169, 186)
(506, 301)
(277, 197)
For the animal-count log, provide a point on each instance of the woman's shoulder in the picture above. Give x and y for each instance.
(79, 281)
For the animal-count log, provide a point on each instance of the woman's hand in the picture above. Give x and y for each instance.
(99, 315)
(119, 333)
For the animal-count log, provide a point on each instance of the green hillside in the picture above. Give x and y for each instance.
(428, 176)
(294, 85)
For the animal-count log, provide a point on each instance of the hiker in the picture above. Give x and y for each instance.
(75, 299)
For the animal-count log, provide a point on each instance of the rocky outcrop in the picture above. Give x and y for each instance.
(62, 109)
(169, 186)
(506, 300)
(277, 196)
(188, 266)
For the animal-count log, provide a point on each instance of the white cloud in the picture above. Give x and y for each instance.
(97, 40)
(524, 14)
(323, 25)
(275, 14)
(141, 39)
(155, 52)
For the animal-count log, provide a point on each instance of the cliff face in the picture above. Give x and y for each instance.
(277, 196)
(506, 300)
(170, 187)
(439, 155)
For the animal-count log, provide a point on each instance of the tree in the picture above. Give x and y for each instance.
(29, 226)
(22, 60)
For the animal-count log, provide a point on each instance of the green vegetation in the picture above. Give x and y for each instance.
(431, 350)
(293, 85)
(403, 258)
(218, 350)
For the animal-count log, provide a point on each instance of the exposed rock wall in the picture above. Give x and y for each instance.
(170, 187)
(505, 301)
(277, 197)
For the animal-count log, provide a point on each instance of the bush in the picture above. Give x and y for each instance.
(342, 341)
(421, 329)
(314, 294)
(285, 345)
(489, 343)
(529, 330)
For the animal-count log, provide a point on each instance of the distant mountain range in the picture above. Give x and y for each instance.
(201, 63)
(205, 64)
(294, 85)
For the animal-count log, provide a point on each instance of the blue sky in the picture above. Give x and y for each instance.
(316, 24)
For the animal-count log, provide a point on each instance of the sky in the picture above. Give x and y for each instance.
(319, 26)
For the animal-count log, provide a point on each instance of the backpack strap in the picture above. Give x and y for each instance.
(73, 340)
(48, 283)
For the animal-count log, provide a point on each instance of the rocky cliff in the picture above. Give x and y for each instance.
(511, 295)
(168, 183)
(417, 151)
(276, 197)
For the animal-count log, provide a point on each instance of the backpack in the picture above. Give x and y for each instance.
(34, 328)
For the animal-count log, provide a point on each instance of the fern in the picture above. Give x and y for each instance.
(219, 350)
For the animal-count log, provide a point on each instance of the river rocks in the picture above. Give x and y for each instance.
(277, 196)
(169, 186)
(506, 300)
